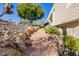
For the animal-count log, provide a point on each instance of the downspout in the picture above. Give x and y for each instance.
(64, 28)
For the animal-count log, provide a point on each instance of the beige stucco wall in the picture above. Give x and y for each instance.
(73, 31)
(60, 9)
(65, 12)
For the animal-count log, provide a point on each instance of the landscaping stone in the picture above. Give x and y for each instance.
(28, 41)
(9, 52)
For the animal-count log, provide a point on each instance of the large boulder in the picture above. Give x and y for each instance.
(49, 46)
(9, 52)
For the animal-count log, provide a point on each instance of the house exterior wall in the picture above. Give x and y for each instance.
(3, 22)
(50, 16)
(73, 31)
(60, 9)
(64, 13)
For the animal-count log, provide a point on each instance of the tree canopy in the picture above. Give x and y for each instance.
(30, 11)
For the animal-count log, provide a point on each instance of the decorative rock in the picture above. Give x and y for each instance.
(9, 52)
(26, 41)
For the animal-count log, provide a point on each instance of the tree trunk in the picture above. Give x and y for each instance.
(30, 22)
(2, 14)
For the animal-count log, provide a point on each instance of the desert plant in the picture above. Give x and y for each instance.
(52, 30)
(71, 43)
(66, 40)
(34, 24)
(24, 22)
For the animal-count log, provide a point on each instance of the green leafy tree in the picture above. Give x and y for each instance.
(30, 11)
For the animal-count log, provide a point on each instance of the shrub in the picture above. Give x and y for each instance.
(34, 24)
(67, 40)
(52, 30)
(71, 43)
(77, 44)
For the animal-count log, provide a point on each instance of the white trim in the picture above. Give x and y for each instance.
(50, 12)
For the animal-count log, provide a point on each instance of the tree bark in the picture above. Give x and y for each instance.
(2, 14)
(30, 22)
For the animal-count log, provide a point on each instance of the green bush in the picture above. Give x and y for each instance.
(77, 44)
(71, 43)
(34, 24)
(67, 40)
(52, 30)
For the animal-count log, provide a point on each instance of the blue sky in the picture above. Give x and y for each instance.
(15, 18)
